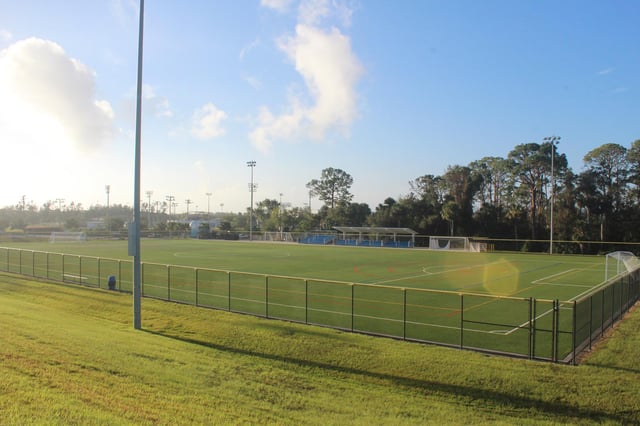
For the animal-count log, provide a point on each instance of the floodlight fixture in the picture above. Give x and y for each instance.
(252, 189)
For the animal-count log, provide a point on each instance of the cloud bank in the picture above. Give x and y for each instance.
(43, 88)
(206, 122)
(330, 70)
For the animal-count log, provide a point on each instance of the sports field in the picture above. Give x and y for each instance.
(542, 276)
(505, 302)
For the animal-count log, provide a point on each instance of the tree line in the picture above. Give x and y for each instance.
(497, 197)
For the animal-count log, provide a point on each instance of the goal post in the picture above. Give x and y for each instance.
(448, 243)
(456, 243)
(58, 236)
(620, 262)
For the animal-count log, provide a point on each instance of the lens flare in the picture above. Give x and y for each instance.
(501, 278)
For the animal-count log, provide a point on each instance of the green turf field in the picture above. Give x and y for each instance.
(505, 302)
(505, 274)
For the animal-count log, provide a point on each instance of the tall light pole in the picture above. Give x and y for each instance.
(107, 189)
(170, 199)
(188, 202)
(221, 207)
(149, 194)
(134, 246)
(252, 189)
(552, 140)
(280, 215)
(208, 194)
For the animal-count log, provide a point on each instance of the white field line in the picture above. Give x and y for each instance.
(427, 273)
(543, 280)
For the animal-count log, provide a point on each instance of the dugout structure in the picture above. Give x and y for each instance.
(375, 236)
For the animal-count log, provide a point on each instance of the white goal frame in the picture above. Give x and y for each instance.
(619, 262)
(449, 243)
(67, 236)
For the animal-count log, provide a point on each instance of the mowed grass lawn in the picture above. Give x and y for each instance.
(389, 297)
(69, 355)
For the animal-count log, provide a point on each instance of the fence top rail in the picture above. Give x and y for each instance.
(606, 284)
(336, 282)
(62, 254)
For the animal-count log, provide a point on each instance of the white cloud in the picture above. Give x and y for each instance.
(249, 47)
(253, 81)
(312, 12)
(279, 5)
(207, 122)
(606, 71)
(158, 104)
(330, 71)
(5, 35)
(125, 11)
(46, 92)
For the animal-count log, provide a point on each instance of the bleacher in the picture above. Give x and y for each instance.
(318, 239)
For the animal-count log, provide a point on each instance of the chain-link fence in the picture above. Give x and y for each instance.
(550, 330)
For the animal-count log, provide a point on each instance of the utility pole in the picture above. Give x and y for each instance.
(280, 215)
(170, 199)
(188, 202)
(149, 194)
(134, 242)
(208, 194)
(252, 189)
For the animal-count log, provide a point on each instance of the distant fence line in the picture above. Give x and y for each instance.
(329, 237)
(548, 330)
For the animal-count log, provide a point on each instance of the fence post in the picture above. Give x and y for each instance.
(168, 282)
(306, 301)
(352, 303)
(33, 263)
(530, 328)
(533, 325)
(554, 332)
(197, 276)
(62, 268)
(575, 324)
(404, 313)
(590, 320)
(266, 296)
(229, 290)
(602, 314)
(461, 321)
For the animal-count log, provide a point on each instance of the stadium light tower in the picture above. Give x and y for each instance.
(280, 215)
(170, 199)
(107, 189)
(188, 202)
(208, 194)
(134, 236)
(552, 140)
(252, 189)
(149, 194)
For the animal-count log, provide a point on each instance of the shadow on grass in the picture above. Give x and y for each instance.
(493, 397)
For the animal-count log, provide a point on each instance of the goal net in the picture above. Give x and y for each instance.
(619, 262)
(67, 237)
(449, 243)
(278, 236)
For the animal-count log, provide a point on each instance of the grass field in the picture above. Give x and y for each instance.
(68, 355)
(561, 277)
(502, 302)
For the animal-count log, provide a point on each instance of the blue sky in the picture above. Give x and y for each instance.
(387, 91)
